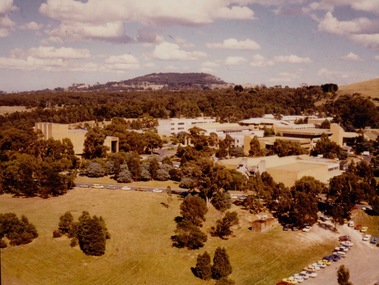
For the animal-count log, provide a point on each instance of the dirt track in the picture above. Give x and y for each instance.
(362, 260)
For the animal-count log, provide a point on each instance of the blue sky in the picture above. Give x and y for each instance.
(55, 43)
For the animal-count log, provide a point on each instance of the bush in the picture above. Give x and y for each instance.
(162, 175)
(3, 244)
(57, 234)
(17, 231)
(186, 183)
(95, 169)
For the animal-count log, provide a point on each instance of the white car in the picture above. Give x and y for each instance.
(366, 237)
(312, 274)
(306, 229)
(341, 253)
(156, 190)
(126, 188)
(97, 186)
(304, 274)
(347, 243)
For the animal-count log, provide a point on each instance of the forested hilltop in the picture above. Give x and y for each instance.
(227, 105)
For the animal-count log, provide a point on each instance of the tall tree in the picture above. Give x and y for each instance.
(91, 234)
(343, 276)
(223, 225)
(221, 265)
(94, 143)
(203, 268)
(193, 209)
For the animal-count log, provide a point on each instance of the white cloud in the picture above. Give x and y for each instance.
(368, 40)
(284, 77)
(98, 19)
(360, 25)
(235, 12)
(260, 61)
(235, 44)
(171, 51)
(6, 24)
(291, 59)
(63, 52)
(44, 58)
(122, 62)
(329, 75)
(235, 60)
(351, 57)
(32, 26)
(210, 64)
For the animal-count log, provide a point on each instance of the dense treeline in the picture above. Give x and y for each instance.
(227, 105)
(31, 166)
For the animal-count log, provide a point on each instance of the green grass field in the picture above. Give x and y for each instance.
(140, 250)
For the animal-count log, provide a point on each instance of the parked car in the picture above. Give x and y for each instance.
(306, 229)
(374, 240)
(366, 237)
(351, 224)
(364, 229)
(344, 238)
(112, 187)
(347, 243)
(97, 186)
(156, 190)
(286, 227)
(126, 188)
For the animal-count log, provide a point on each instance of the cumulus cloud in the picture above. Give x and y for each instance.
(63, 52)
(351, 57)
(6, 24)
(235, 60)
(43, 58)
(98, 19)
(328, 74)
(32, 26)
(368, 40)
(171, 51)
(291, 59)
(236, 44)
(122, 62)
(260, 61)
(360, 25)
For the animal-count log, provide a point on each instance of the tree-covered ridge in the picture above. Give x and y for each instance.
(227, 105)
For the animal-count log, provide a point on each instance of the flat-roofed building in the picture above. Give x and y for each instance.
(286, 169)
(76, 136)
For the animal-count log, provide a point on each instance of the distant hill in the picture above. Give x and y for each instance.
(157, 81)
(369, 88)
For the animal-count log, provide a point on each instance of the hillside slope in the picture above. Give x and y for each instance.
(369, 88)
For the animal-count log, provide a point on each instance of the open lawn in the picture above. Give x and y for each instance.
(140, 251)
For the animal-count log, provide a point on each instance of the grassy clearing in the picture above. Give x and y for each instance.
(140, 251)
(372, 222)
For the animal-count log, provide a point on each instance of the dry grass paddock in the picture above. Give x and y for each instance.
(140, 250)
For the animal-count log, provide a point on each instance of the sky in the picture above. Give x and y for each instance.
(56, 43)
